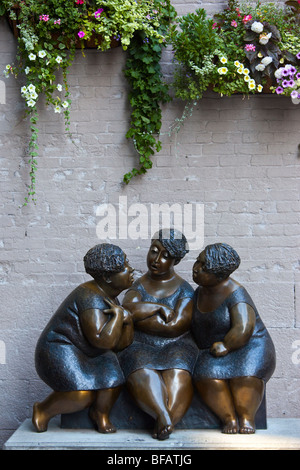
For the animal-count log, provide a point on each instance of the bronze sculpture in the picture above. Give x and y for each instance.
(159, 363)
(76, 352)
(236, 354)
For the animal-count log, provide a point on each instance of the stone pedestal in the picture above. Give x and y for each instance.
(281, 434)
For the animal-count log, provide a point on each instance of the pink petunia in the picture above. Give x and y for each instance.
(79, 2)
(98, 13)
(234, 23)
(214, 25)
(81, 34)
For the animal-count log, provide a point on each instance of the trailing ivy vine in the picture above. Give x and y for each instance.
(148, 90)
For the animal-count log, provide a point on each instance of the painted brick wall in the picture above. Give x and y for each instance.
(238, 157)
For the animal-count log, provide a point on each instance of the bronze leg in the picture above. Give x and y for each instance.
(217, 396)
(101, 408)
(150, 393)
(180, 392)
(247, 395)
(58, 403)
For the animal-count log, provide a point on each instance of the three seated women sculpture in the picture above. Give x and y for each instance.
(164, 342)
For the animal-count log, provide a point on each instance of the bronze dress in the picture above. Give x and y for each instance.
(256, 358)
(64, 358)
(149, 351)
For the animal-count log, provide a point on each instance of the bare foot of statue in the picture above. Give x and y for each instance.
(230, 427)
(101, 421)
(39, 418)
(162, 430)
(247, 426)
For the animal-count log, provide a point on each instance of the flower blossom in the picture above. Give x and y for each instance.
(98, 13)
(79, 2)
(264, 38)
(266, 60)
(250, 47)
(298, 55)
(259, 88)
(223, 60)
(41, 54)
(32, 56)
(44, 17)
(234, 23)
(58, 59)
(222, 70)
(247, 18)
(81, 34)
(57, 21)
(260, 67)
(257, 27)
(279, 90)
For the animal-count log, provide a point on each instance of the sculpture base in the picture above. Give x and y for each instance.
(126, 415)
(282, 434)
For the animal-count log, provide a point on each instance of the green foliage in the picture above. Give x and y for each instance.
(148, 90)
(49, 33)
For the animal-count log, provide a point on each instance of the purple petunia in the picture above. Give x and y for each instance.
(291, 83)
(285, 83)
(294, 94)
(279, 90)
(298, 55)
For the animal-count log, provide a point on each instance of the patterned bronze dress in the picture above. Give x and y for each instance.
(256, 358)
(158, 352)
(64, 358)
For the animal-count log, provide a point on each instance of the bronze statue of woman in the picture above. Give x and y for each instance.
(76, 352)
(159, 362)
(236, 353)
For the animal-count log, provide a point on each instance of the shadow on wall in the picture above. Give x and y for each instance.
(2, 92)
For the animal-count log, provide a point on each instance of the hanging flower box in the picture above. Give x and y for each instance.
(49, 34)
(240, 50)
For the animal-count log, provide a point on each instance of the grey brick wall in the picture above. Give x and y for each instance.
(239, 157)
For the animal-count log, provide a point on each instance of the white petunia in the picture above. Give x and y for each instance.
(257, 27)
(266, 60)
(223, 60)
(65, 104)
(42, 54)
(31, 103)
(27, 70)
(59, 87)
(57, 109)
(31, 88)
(32, 56)
(246, 71)
(23, 89)
(259, 88)
(58, 59)
(246, 78)
(222, 70)
(33, 95)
